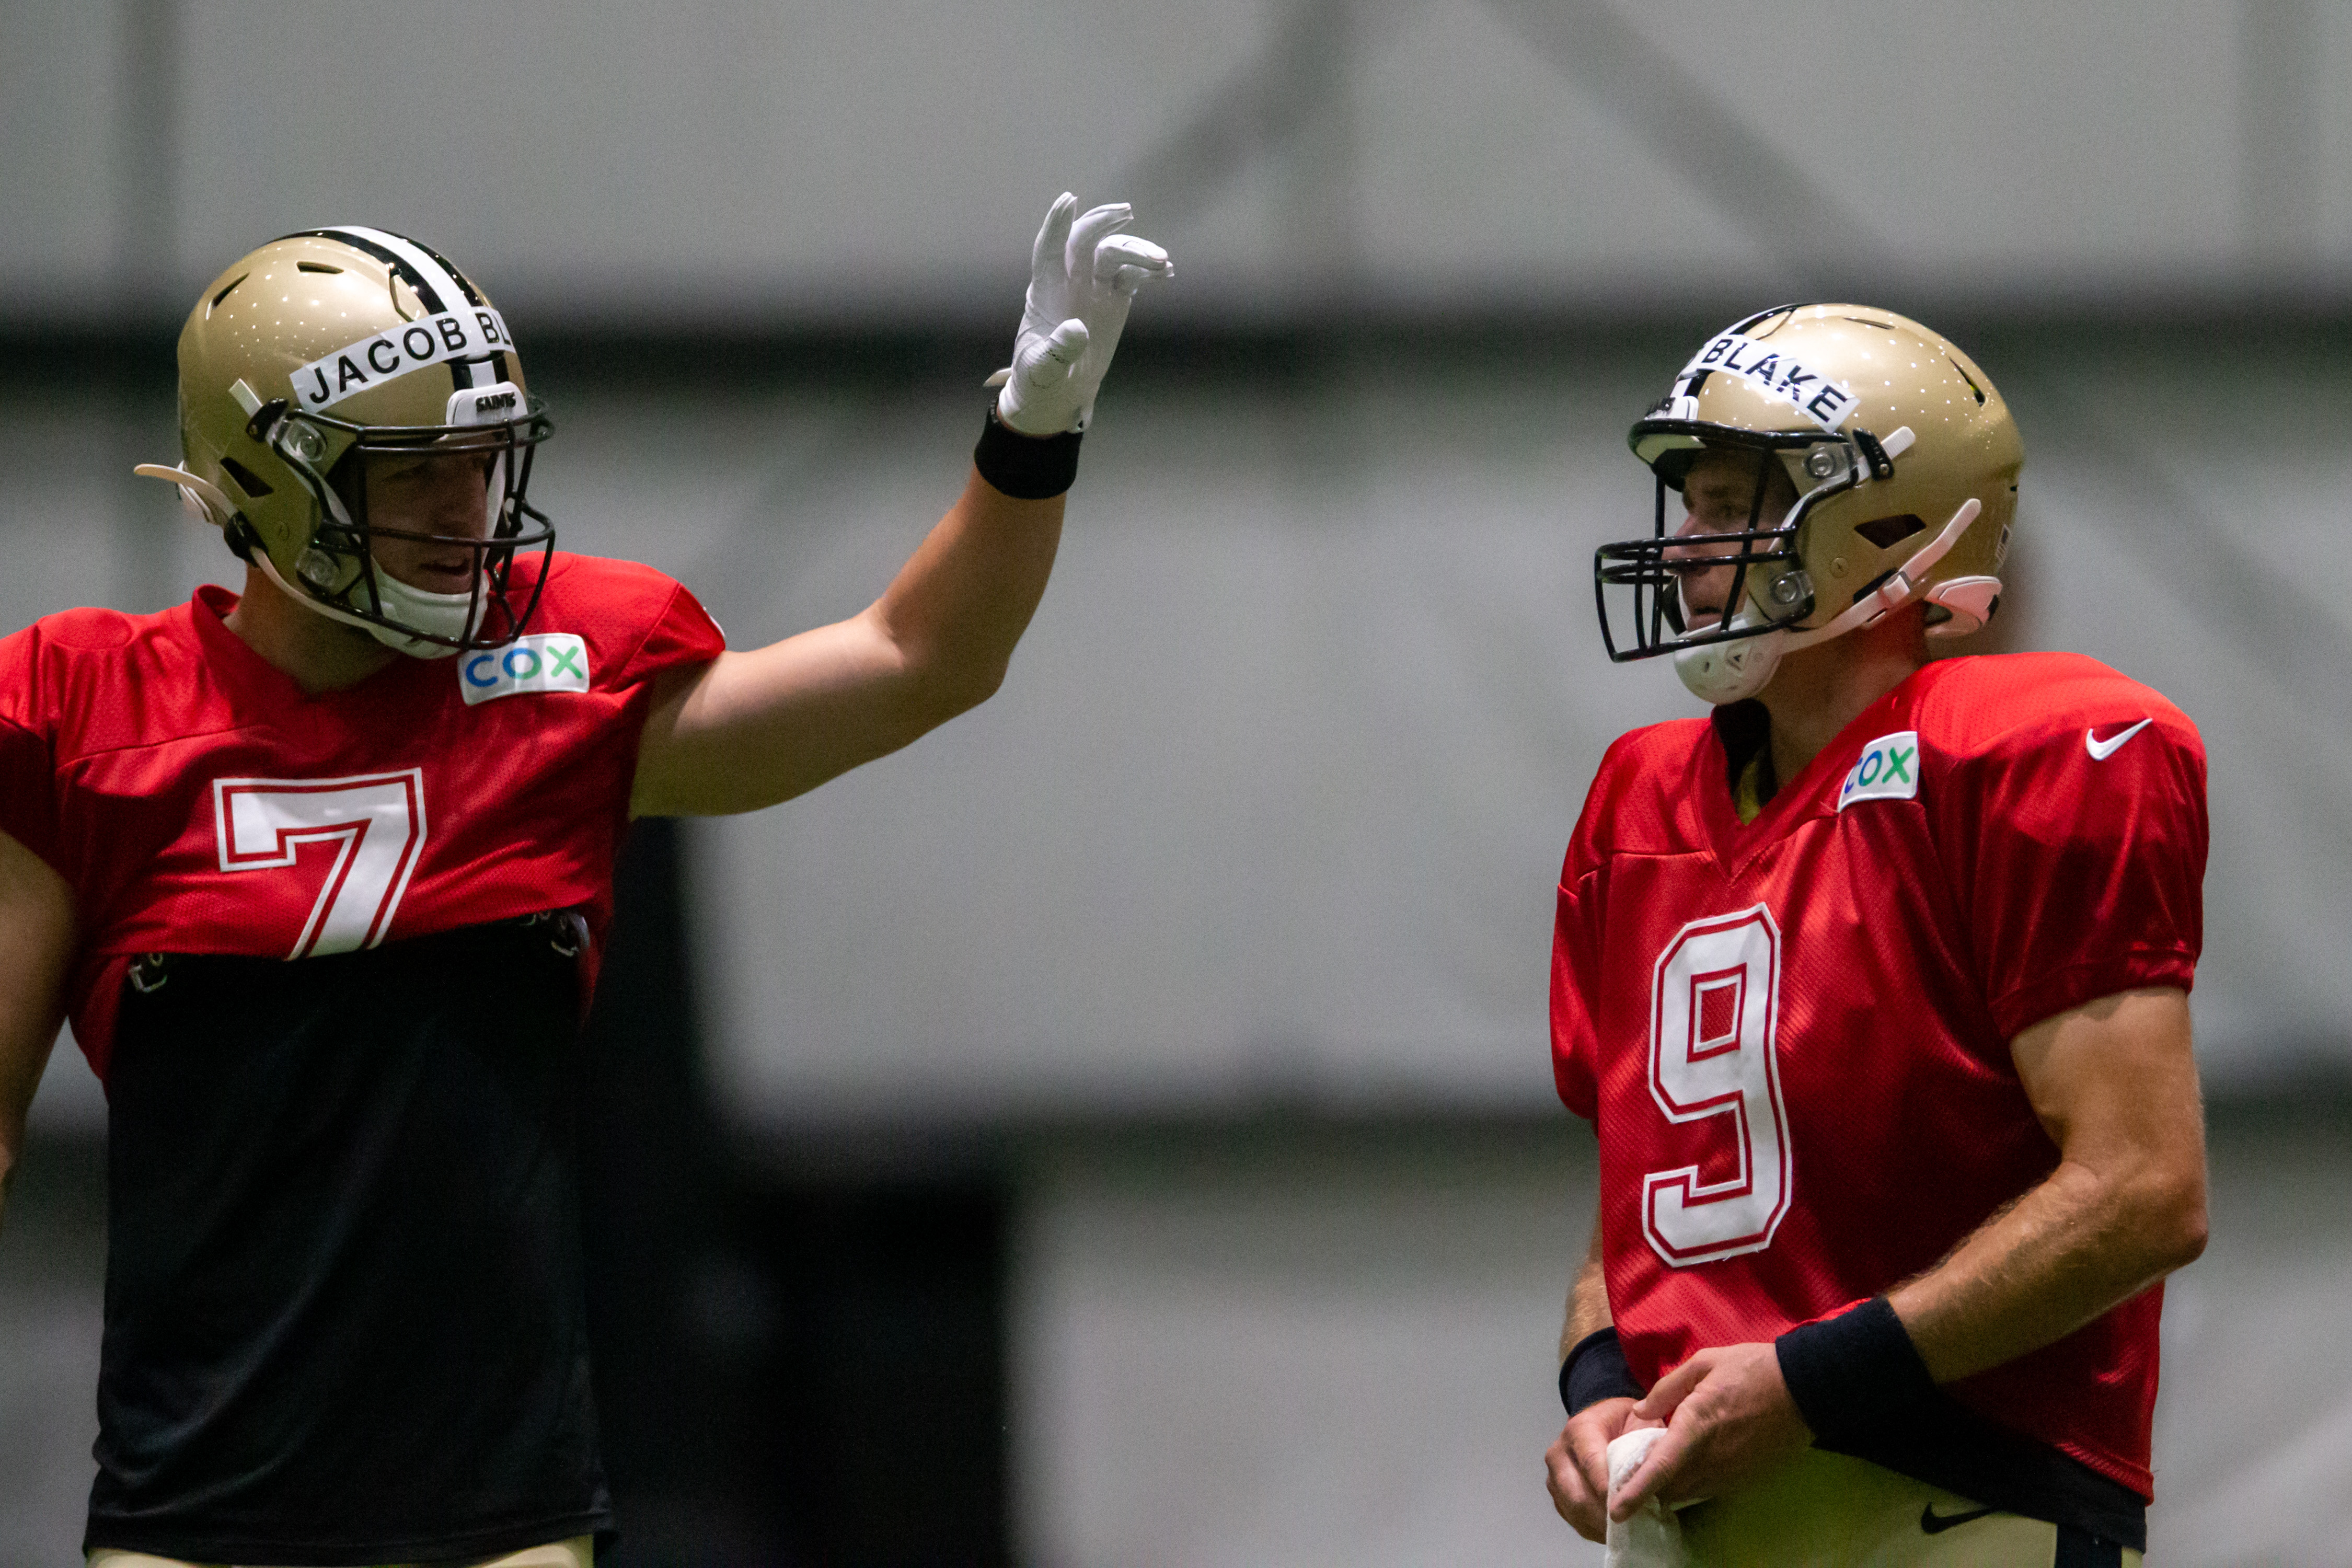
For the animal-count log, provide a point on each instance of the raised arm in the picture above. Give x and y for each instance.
(752, 728)
(36, 928)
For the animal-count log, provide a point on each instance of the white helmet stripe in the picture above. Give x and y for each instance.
(460, 330)
(431, 277)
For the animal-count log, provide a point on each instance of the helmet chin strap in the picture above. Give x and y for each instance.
(1735, 670)
(444, 615)
(398, 641)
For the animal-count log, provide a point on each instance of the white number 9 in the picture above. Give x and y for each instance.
(1714, 1014)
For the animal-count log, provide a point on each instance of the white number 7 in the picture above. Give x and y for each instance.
(1714, 1014)
(376, 822)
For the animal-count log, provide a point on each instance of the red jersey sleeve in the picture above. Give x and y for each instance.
(1576, 943)
(2079, 857)
(638, 621)
(681, 632)
(1573, 977)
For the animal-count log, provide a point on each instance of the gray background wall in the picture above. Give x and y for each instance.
(1225, 926)
(691, 161)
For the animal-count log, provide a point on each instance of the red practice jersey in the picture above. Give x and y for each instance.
(199, 802)
(1792, 1036)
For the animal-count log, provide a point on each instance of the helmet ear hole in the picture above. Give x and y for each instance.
(1888, 532)
(245, 479)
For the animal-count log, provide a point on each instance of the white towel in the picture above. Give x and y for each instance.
(1653, 1537)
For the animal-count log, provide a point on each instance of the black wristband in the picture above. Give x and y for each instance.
(1857, 1375)
(1026, 467)
(1596, 1370)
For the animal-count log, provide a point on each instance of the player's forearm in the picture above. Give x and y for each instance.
(2071, 1248)
(1588, 1298)
(2114, 1082)
(37, 935)
(762, 726)
(958, 607)
(24, 1052)
(26, 1042)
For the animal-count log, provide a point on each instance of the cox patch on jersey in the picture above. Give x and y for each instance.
(544, 661)
(1888, 769)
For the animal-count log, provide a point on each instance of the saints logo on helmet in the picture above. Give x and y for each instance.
(332, 352)
(1904, 464)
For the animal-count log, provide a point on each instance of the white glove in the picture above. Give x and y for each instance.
(1083, 274)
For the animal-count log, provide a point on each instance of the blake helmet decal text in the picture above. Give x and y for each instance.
(1777, 375)
(1888, 769)
(545, 661)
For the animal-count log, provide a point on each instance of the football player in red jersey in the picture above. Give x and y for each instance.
(1874, 984)
(343, 1307)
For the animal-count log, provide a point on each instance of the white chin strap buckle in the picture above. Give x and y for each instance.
(1732, 671)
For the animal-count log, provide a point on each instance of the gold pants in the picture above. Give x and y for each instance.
(579, 1552)
(1827, 1510)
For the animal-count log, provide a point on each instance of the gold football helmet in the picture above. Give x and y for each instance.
(1904, 461)
(318, 352)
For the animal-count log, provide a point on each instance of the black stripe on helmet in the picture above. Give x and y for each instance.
(1768, 315)
(427, 294)
(465, 284)
(499, 369)
(462, 374)
(463, 369)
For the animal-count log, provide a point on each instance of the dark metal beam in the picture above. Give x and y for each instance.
(2279, 623)
(147, 518)
(1791, 210)
(2278, 122)
(147, 155)
(1259, 110)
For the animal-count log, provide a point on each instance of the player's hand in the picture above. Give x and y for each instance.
(1083, 274)
(1577, 1464)
(1728, 1418)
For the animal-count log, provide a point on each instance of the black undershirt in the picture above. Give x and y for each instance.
(1745, 731)
(344, 1316)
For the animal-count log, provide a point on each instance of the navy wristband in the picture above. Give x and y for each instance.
(1026, 467)
(1596, 1370)
(1857, 1375)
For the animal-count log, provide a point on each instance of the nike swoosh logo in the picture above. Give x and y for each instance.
(1935, 1523)
(2101, 750)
